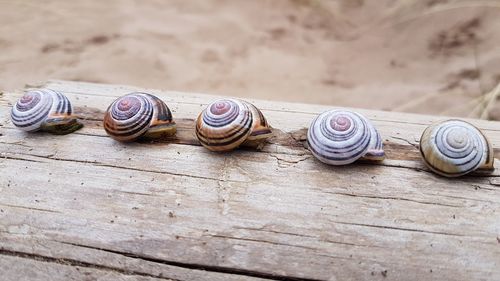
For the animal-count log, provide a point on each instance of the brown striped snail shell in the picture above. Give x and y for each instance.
(45, 110)
(454, 148)
(340, 137)
(137, 115)
(228, 123)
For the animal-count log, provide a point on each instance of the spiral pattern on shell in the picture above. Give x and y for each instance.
(339, 137)
(136, 115)
(453, 148)
(228, 123)
(44, 109)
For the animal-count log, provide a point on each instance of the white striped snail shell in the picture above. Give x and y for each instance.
(340, 137)
(138, 115)
(45, 110)
(228, 123)
(454, 148)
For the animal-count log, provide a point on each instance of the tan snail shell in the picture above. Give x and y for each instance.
(45, 110)
(454, 148)
(228, 123)
(137, 115)
(340, 137)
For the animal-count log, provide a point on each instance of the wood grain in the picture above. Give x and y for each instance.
(85, 205)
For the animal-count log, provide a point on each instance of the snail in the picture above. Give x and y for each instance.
(44, 110)
(340, 137)
(454, 148)
(137, 115)
(228, 123)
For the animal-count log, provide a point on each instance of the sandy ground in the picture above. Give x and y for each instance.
(425, 56)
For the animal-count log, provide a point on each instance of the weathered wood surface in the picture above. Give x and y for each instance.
(85, 207)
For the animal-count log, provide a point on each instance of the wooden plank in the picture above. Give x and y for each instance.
(174, 208)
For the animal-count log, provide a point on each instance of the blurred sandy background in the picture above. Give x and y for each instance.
(426, 56)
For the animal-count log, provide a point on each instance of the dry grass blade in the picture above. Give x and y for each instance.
(470, 104)
(484, 104)
(488, 101)
(415, 102)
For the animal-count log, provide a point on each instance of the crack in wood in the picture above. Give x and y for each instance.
(73, 262)
(394, 198)
(465, 198)
(399, 166)
(400, 228)
(136, 193)
(288, 245)
(30, 208)
(258, 241)
(210, 268)
(286, 160)
(19, 158)
(405, 140)
(263, 229)
(91, 135)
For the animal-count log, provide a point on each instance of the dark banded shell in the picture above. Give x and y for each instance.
(340, 137)
(228, 123)
(454, 148)
(138, 115)
(45, 110)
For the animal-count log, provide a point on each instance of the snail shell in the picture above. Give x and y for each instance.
(45, 110)
(340, 137)
(454, 148)
(228, 123)
(138, 115)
